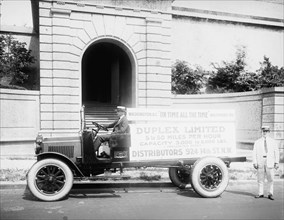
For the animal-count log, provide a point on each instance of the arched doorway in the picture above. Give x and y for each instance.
(107, 75)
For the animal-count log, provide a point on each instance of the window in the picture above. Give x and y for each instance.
(16, 16)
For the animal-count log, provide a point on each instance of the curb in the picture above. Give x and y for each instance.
(95, 185)
(117, 185)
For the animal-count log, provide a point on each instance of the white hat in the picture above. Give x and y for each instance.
(120, 108)
(265, 128)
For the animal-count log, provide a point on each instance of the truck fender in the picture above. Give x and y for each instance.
(63, 158)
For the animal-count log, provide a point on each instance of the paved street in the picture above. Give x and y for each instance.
(237, 202)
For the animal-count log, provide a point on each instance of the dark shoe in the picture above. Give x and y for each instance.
(259, 196)
(270, 197)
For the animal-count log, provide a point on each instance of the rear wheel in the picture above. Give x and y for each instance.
(180, 176)
(210, 177)
(50, 179)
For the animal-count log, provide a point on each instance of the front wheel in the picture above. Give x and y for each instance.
(210, 177)
(50, 179)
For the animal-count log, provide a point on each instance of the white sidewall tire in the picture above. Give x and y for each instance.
(31, 180)
(175, 179)
(195, 175)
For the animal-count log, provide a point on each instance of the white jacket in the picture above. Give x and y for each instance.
(272, 151)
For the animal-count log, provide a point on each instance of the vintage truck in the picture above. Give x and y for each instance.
(197, 146)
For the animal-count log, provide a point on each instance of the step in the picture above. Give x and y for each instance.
(101, 113)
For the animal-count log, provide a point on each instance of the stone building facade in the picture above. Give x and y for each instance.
(120, 52)
(112, 54)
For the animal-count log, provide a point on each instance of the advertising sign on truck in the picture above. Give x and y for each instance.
(168, 134)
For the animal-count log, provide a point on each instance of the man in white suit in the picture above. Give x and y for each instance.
(265, 159)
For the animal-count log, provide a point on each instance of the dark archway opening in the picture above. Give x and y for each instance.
(106, 75)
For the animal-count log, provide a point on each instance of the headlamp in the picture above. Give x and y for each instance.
(38, 142)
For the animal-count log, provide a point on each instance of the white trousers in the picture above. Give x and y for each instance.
(263, 171)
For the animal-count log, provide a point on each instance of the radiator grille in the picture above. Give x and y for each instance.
(66, 150)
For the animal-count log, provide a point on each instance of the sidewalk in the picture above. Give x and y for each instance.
(10, 163)
(238, 171)
(115, 184)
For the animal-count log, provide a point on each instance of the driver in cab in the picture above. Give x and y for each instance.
(120, 126)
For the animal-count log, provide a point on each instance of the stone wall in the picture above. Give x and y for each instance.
(20, 115)
(19, 122)
(253, 109)
(273, 111)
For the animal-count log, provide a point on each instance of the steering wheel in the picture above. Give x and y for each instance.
(99, 126)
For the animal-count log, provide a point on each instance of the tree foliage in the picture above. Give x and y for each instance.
(232, 77)
(15, 59)
(227, 77)
(186, 80)
(270, 75)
